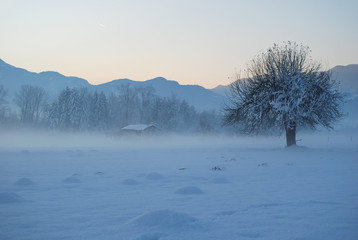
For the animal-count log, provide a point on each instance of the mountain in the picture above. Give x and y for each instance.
(348, 77)
(201, 98)
(12, 78)
(221, 89)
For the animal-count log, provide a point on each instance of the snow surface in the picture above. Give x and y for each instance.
(61, 186)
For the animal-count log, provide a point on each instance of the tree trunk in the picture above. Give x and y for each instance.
(291, 134)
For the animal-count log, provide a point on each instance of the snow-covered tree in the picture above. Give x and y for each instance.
(3, 103)
(147, 101)
(284, 89)
(94, 116)
(62, 109)
(71, 110)
(80, 109)
(129, 102)
(114, 111)
(98, 113)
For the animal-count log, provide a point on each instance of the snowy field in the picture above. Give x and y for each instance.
(61, 186)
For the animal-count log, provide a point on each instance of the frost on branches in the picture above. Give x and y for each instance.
(284, 89)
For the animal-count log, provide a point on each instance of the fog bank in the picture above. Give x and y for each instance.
(52, 140)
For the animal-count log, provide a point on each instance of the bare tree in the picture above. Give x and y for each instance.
(30, 100)
(284, 89)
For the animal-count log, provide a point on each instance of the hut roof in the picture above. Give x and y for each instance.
(138, 127)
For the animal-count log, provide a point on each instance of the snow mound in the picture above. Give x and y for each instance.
(150, 236)
(9, 197)
(219, 180)
(24, 182)
(153, 176)
(189, 190)
(163, 218)
(129, 181)
(71, 180)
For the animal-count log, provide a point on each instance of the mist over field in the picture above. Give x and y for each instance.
(20, 139)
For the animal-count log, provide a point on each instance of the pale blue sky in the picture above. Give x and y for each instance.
(191, 41)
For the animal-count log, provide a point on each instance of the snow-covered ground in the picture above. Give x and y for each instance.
(61, 186)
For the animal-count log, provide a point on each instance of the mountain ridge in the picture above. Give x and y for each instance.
(53, 82)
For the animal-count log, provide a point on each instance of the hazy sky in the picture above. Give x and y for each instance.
(191, 41)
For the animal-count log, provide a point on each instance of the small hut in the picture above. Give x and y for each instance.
(140, 129)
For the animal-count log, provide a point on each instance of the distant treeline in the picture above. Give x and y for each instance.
(79, 109)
